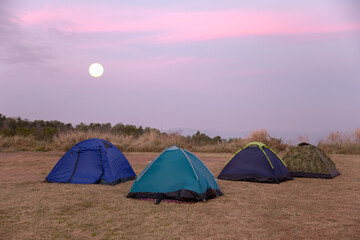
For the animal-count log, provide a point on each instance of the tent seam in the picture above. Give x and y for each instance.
(266, 157)
(208, 170)
(150, 164)
(102, 165)
(190, 163)
(278, 157)
(322, 159)
(234, 155)
(202, 163)
(77, 159)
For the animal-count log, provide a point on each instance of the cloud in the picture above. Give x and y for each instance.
(15, 47)
(174, 26)
(164, 61)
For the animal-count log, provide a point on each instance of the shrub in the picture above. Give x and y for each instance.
(342, 143)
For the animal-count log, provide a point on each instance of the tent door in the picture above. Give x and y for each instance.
(102, 166)
(88, 167)
(77, 160)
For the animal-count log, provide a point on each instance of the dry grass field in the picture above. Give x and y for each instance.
(298, 209)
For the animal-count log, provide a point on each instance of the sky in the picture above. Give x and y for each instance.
(222, 67)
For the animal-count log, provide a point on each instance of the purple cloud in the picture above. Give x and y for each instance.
(15, 45)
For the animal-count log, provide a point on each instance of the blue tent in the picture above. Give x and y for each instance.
(175, 174)
(256, 163)
(92, 161)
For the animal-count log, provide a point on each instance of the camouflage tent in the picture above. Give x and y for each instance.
(306, 160)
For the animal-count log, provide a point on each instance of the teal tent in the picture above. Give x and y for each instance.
(175, 174)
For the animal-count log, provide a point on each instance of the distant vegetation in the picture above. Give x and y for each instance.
(343, 143)
(18, 134)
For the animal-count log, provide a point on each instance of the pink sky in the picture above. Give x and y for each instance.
(222, 67)
(177, 26)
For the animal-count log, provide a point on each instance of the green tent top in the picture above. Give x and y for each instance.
(260, 144)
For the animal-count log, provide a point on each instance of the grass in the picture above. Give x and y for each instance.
(154, 141)
(304, 208)
(342, 143)
(148, 142)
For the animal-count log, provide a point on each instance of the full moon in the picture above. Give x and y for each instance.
(96, 70)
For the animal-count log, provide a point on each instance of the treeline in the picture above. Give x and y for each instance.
(42, 130)
(17, 134)
(39, 129)
(46, 130)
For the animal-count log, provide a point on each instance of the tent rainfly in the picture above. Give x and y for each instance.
(306, 160)
(92, 161)
(255, 163)
(175, 174)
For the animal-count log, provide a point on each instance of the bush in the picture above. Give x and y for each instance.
(342, 143)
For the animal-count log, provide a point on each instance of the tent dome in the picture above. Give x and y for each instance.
(306, 160)
(175, 174)
(256, 163)
(92, 161)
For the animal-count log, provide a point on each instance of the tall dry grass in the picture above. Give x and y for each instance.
(263, 136)
(155, 141)
(148, 142)
(152, 141)
(343, 143)
(21, 143)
